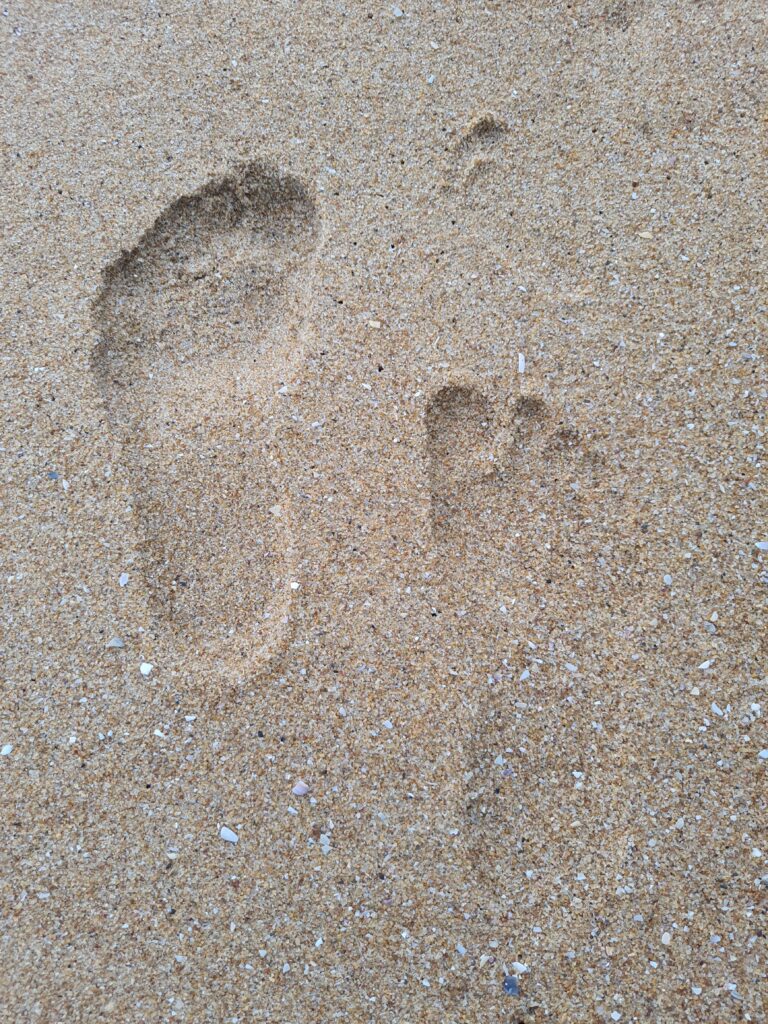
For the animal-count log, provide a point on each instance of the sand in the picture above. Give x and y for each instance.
(385, 540)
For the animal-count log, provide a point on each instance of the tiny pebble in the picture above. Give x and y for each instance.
(763, 755)
(123, 579)
(300, 789)
(6, 749)
(145, 668)
(521, 362)
(510, 985)
(228, 835)
(115, 642)
(761, 545)
(666, 938)
(668, 580)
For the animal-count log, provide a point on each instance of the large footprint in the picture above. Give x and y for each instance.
(197, 325)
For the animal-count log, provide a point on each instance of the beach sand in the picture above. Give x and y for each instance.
(383, 402)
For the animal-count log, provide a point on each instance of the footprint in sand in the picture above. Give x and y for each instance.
(197, 326)
(475, 155)
(518, 500)
(515, 491)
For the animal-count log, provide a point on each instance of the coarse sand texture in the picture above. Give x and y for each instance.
(384, 537)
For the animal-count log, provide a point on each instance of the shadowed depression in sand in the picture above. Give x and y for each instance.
(197, 321)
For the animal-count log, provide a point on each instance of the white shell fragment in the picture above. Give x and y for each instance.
(145, 668)
(6, 749)
(115, 643)
(300, 789)
(761, 545)
(228, 835)
(123, 579)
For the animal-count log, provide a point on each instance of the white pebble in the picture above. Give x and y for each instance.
(145, 668)
(521, 362)
(6, 749)
(666, 938)
(300, 789)
(387, 724)
(518, 968)
(763, 755)
(123, 579)
(761, 545)
(115, 643)
(716, 709)
(228, 835)
(668, 580)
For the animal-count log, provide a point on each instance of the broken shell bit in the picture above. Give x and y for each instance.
(511, 986)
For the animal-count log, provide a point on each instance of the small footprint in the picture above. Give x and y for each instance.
(197, 324)
(504, 475)
(474, 155)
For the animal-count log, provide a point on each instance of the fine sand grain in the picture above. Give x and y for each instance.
(384, 537)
